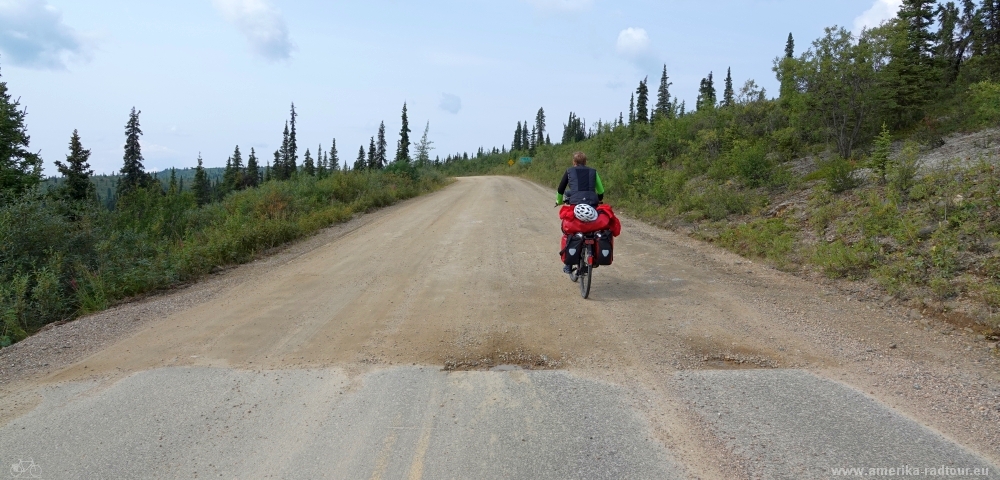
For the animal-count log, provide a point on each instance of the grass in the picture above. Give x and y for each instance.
(59, 260)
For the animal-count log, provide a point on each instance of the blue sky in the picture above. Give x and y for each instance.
(210, 74)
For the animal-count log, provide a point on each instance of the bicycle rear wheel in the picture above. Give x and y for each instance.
(586, 272)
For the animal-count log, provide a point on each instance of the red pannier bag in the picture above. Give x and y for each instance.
(606, 220)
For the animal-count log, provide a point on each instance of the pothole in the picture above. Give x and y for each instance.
(500, 351)
(503, 361)
(735, 361)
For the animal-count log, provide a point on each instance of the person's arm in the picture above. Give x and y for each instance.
(600, 188)
(562, 188)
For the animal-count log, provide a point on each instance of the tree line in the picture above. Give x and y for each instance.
(21, 169)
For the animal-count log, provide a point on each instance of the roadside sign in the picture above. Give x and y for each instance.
(525, 159)
(511, 162)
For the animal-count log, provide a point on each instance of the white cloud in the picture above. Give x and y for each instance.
(450, 103)
(881, 11)
(33, 35)
(261, 24)
(633, 42)
(571, 6)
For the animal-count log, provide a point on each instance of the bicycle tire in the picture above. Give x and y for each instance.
(587, 273)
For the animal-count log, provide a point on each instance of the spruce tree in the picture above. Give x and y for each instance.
(308, 166)
(727, 94)
(785, 68)
(380, 153)
(372, 155)
(706, 93)
(133, 174)
(281, 157)
(334, 160)
(663, 108)
(77, 172)
(202, 188)
(403, 145)
(253, 170)
(236, 180)
(292, 160)
(532, 146)
(540, 126)
(989, 24)
(913, 64)
(525, 136)
(880, 155)
(277, 169)
(642, 100)
(359, 164)
(548, 141)
(320, 162)
(228, 178)
(949, 51)
(172, 187)
(631, 110)
(238, 160)
(20, 169)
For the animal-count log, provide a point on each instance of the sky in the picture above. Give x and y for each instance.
(208, 75)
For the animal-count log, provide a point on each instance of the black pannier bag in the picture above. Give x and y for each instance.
(605, 251)
(572, 245)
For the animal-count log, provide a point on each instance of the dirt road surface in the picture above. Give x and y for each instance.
(439, 339)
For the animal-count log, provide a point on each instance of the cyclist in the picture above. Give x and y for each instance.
(580, 185)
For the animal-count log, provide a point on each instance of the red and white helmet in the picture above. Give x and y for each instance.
(585, 213)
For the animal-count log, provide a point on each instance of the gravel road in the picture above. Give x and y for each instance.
(439, 339)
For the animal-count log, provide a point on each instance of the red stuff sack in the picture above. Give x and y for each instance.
(566, 212)
(577, 226)
(614, 224)
(606, 220)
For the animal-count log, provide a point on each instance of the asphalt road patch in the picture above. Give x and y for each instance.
(410, 422)
(793, 424)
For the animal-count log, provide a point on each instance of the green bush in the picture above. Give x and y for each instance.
(763, 238)
(903, 172)
(751, 164)
(985, 102)
(838, 174)
(840, 260)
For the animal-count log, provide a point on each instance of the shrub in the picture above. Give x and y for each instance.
(880, 155)
(750, 163)
(765, 238)
(904, 171)
(985, 101)
(838, 174)
(840, 260)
